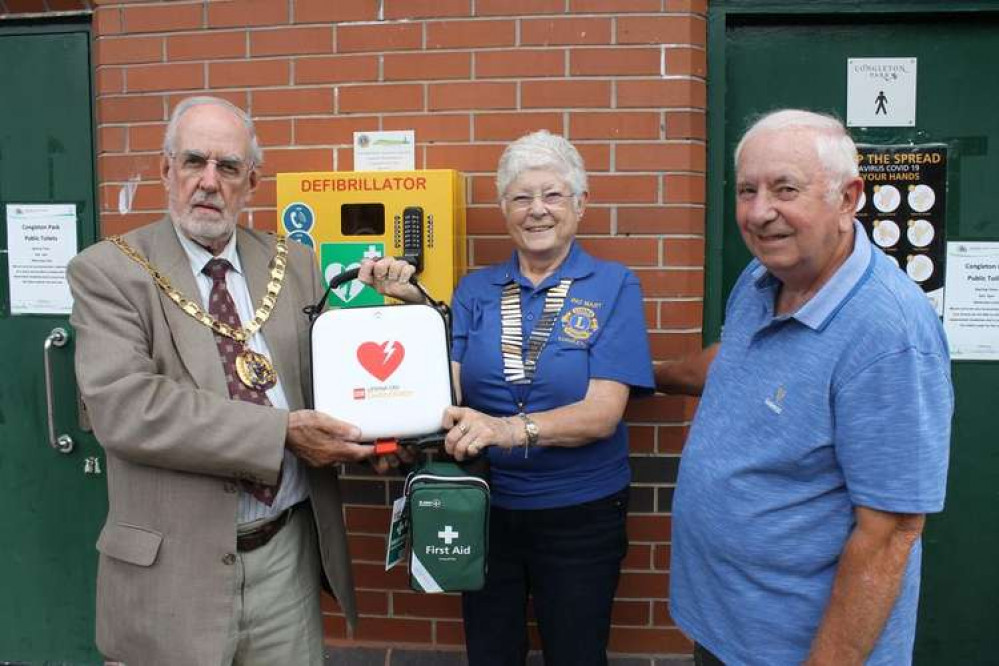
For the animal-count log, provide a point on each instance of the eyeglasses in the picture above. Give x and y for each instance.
(193, 163)
(548, 200)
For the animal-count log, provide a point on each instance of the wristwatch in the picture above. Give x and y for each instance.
(531, 431)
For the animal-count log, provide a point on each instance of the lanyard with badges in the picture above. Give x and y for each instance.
(519, 370)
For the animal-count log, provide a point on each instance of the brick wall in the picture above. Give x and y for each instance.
(623, 79)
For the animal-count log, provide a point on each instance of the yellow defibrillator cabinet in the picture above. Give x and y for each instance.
(347, 216)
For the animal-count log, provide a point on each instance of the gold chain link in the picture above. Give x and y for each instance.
(267, 303)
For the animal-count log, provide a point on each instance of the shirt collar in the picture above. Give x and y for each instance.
(577, 264)
(199, 256)
(821, 307)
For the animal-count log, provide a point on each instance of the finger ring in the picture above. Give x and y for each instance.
(463, 428)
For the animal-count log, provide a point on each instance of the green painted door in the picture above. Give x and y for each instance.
(52, 508)
(762, 62)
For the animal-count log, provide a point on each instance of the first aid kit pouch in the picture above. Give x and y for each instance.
(449, 528)
(386, 369)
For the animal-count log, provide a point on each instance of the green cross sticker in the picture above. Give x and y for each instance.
(337, 258)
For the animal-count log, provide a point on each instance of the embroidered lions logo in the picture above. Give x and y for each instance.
(580, 323)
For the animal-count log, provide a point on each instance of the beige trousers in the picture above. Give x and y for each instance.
(276, 617)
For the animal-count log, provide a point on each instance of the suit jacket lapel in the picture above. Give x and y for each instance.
(195, 342)
(255, 256)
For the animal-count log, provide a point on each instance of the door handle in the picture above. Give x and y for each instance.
(61, 443)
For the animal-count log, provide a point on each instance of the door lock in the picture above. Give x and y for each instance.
(91, 465)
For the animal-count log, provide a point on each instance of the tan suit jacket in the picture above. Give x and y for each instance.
(153, 384)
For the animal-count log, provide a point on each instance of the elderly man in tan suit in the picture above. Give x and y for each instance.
(193, 361)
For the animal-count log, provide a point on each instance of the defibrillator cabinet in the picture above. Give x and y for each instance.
(347, 216)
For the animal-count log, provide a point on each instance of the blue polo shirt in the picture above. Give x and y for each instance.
(845, 403)
(599, 334)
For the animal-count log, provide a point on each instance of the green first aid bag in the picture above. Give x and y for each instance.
(449, 528)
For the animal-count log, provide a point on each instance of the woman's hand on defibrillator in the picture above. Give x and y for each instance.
(469, 432)
(391, 277)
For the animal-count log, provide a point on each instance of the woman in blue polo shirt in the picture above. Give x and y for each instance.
(548, 346)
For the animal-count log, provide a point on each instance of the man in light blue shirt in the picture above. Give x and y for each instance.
(822, 437)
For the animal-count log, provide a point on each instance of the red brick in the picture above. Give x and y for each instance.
(148, 196)
(482, 190)
(680, 61)
(334, 627)
(25, 6)
(112, 223)
(378, 38)
(163, 17)
(651, 312)
(660, 614)
(374, 576)
(565, 31)
(660, 219)
(367, 519)
(423, 605)
(130, 109)
(641, 585)
(487, 251)
(206, 45)
(681, 314)
(671, 283)
(614, 61)
(433, 127)
(146, 137)
(686, 125)
(596, 156)
(630, 613)
(614, 125)
(336, 69)
(110, 80)
(475, 157)
(417, 66)
(683, 252)
(472, 95)
(325, 11)
(238, 97)
(450, 633)
(484, 220)
(381, 98)
(111, 139)
(684, 189)
(345, 159)
(526, 63)
(641, 439)
(405, 9)
(614, 6)
(672, 437)
(470, 34)
(649, 641)
(107, 21)
(518, 7)
(394, 630)
(366, 548)
(291, 41)
(660, 157)
(562, 94)
(250, 73)
(297, 159)
(235, 13)
(661, 553)
(328, 131)
(639, 555)
(169, 77)
(274, 132)
(628, 251)
(263, 219)
(661, 93)
(677, 29)
(690, 6)
(672, 344)
(620, 189)
(510, 126)
(125, 50)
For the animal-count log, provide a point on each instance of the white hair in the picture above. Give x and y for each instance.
(170, 137)
(542, 150)
(835, 149)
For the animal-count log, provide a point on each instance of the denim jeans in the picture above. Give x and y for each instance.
(569, 560)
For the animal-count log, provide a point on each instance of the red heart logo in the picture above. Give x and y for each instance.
(381, 360)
